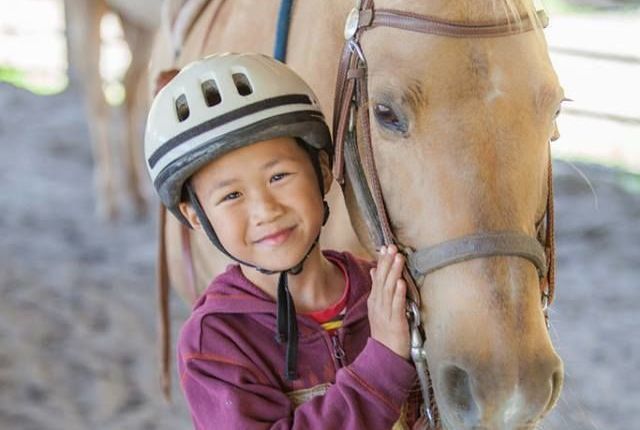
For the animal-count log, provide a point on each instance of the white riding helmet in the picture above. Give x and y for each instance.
(220, 103)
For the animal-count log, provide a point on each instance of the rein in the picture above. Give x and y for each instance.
(355, 167)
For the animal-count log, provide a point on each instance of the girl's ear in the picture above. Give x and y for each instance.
(327, 175)
(190, 215)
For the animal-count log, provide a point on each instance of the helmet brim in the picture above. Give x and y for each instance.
(309, 126)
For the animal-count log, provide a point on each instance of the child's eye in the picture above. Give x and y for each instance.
(231, 196)
(278, 177)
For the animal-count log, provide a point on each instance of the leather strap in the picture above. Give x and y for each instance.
(360, 189)
(431, 25)
(507, 243)
(187, 262)
(162, 286)
(550, 237)
(162, 276)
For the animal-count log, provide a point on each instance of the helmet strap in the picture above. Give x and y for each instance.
(314, 155)
(206, 224)
(287, 326)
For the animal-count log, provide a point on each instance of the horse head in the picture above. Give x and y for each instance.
(460, 119)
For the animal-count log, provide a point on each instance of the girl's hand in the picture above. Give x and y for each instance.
(386, 302)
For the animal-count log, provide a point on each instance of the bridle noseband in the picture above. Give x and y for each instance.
(355, 165)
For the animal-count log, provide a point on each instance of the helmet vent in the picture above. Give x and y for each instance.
(211, 93)
(242, 84)
(182, 108)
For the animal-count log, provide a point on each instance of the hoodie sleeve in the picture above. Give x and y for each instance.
(225, 393)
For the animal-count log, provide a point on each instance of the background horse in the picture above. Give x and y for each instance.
(139, 20)
(460, 130)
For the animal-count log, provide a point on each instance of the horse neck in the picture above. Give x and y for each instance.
(315, 45)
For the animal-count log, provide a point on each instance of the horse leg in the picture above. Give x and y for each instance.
(83, 19)
(140, 41)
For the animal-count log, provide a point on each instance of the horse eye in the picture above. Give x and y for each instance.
(389, 119)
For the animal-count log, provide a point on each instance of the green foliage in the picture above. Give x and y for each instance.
(21, 79)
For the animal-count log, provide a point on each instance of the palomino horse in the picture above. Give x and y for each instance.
(460, 128)
(139, 21)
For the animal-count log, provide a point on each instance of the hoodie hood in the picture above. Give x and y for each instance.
(233, 293)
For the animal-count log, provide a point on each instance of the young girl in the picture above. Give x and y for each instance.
(237, 148)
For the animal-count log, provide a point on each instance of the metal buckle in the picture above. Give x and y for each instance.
(351, 24)
(357, 49)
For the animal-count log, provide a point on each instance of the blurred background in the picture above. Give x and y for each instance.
(77, 298)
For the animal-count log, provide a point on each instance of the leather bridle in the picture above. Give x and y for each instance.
(355, 167)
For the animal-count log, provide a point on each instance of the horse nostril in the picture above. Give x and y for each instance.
(556, 387)
(457, 391)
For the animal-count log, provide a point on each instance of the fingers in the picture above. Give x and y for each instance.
(395, 271)
(391, 283)
(399, 299)
(385, 278)
(386, 303)
(389, 265)
(385, 260)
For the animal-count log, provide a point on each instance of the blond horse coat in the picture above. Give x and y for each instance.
(139, 21)
(470, 156)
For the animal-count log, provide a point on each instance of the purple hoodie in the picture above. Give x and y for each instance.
(231, 366)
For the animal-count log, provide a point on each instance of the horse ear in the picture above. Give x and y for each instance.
(163, 78)
(556, 132)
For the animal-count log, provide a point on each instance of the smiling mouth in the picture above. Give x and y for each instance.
(277, 238)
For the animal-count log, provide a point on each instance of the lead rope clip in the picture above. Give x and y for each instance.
(419, 358)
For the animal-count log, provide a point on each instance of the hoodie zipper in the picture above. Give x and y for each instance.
(338, 352)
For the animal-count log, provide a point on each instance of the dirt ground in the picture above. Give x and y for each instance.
(77, 301)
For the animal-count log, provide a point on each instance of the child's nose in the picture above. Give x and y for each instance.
(265, 208)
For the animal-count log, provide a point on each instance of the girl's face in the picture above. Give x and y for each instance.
(263, 201)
